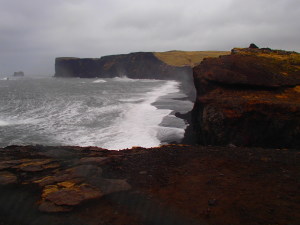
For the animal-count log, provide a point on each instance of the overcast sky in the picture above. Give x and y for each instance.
(34, 32)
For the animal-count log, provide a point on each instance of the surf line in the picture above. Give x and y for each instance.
(138, 124)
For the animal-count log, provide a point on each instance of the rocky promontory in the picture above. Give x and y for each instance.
(248, 98)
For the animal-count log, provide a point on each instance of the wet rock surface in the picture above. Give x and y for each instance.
(248, 98)
(173, 184)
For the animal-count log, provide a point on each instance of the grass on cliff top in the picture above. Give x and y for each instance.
(187, 58)
(292, 58)
(288, 62)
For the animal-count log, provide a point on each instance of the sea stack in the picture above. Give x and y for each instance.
(248, 98)
(19, 74)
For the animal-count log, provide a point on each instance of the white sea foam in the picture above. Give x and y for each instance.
(139, 125)
(132, 100)
(3, 123)
(113, 118)
(99, 81)
(13, 122)
(124, 79)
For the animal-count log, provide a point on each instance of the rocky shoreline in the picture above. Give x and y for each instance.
(172, 184)
(248, 98)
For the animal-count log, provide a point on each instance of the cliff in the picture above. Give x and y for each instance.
(158, 65)
(172, 65)
(133, 65)
(248, 98)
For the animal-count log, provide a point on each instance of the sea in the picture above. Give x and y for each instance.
(113, 113)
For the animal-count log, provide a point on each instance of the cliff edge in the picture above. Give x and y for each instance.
(248, 98)
(134, 65)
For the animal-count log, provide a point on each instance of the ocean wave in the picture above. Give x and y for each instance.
(139, 124)
(132, 100)
(4, 123)
(124, 79)
(117, 116)
(99, 81)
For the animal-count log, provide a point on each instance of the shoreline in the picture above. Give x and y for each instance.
(183, 113)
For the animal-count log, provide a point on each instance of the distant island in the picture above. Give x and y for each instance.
(18, 74)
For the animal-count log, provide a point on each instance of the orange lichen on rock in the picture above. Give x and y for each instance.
(297, 89)
(7, 178)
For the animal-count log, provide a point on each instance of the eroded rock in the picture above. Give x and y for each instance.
(7, 178)
(69, 193)
(94, 160)
(50, 207)
(35, 165)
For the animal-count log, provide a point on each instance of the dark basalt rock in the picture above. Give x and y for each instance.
(249, 98)
(19, 74)
(252, 45)
(134, 65)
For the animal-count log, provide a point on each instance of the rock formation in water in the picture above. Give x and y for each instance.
(19, 74)
(248, 98)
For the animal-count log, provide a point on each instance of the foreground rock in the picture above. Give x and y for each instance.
(249, 98)
(173, 184)
(65, 181)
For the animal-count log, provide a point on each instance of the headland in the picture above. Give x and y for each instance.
(242, 166)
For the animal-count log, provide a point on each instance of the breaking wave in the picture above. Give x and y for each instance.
(118, 115)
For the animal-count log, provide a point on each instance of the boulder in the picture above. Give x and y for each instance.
(252, 45)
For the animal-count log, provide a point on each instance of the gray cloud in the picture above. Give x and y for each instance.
(34, 32)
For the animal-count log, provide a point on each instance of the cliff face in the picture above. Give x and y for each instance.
(140, 65)
(172, 65)
(133, 65)
(251, 97)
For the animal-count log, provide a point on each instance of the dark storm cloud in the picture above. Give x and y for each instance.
(34, 32)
